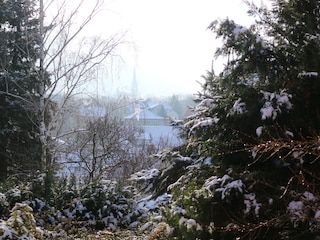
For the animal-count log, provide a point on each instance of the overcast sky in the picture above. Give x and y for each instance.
(172, 46)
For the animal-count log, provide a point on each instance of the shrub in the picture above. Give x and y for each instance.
(21, 224)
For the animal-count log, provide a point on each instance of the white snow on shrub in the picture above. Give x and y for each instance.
(274, 103)
(238, 30)
(148, 203)
(254, 151)
(3, 200)
(180, 181)
(289, 133)
(182, 220)
(204, 123)
(299, 209)
(134, 224)
(268, 111)
(211, 182)
(317, 214)
(313, 37)
(251, 204)
(270, 201)
(225, 185)
(297, 154)
(157, 218)
(308, 196)
(207, 161)
(204, 105)
(145, 174)
(207, 102)
(183, 159)
(146, 226)
(227, 189)
(6, 231)
(238, 107)
(308, 74)
(296, 210)
(259, 131)
(190, 223)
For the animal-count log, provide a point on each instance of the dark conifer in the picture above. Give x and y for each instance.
(20, 148)
(251, 143)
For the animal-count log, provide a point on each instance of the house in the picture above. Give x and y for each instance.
(153, 119)
(146, 118)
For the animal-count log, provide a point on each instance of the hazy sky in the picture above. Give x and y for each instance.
(172, 46)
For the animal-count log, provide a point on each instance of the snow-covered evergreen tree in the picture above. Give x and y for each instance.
(249, 166)
(19, 143)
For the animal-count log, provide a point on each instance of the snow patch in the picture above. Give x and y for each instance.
(150, 204)
(259, 131)
(268, 111)
(298, 155)
(226, 190)
(204, 123)
(238, 107)
(289, 133)
(146, 226)
(225, 185)
(238, 30)
(308, 196)
(144, 175)
(207, 161)
(190, 223)
(308, 74)
(207, 102)
(296, 210)
(274, 103)
(211, 182)
(251, 204)
(317, 214)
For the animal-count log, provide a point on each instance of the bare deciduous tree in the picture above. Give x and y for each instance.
(71, 59)
(108, 145)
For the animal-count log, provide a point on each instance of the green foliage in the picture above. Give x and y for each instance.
(225, 118)
(281, 51)
(99, 204)
(64, 190)
(75, 209)
(194, 215)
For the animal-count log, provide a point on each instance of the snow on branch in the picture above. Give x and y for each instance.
(274, 103)
(238, 30)
(251, 203)
(238, 107)
(144, 175)
(308, 74)
(206, 122)
(207, 102)
(300, 209)
(225, 185)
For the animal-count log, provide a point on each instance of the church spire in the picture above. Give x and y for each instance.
(134, 86)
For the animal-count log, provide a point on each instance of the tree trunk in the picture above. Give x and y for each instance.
(42, 125)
